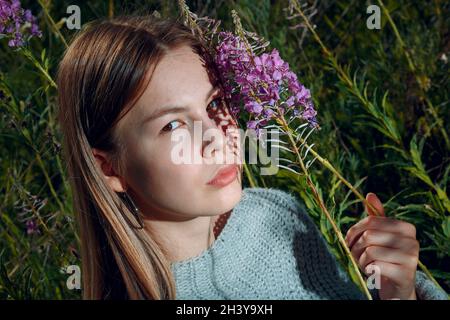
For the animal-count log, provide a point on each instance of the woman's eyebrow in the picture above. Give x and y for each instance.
(175, 108)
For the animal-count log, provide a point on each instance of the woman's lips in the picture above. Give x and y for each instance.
(225, 176)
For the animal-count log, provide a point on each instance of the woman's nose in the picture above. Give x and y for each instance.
(213, 141)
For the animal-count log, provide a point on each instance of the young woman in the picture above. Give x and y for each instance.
(151, 228)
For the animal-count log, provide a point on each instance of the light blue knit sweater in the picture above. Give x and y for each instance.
(271, 249)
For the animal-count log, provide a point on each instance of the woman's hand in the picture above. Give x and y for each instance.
(389, 244)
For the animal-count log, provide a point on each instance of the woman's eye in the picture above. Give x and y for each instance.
(169, 127)
(215, 103)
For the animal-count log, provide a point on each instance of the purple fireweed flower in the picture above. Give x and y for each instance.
(32, 226)
(263, 84)
(17, 23)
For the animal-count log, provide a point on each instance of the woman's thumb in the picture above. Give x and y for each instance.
(376, 203)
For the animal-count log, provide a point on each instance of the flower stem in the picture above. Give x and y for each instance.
(413, 69)
(27, 53)
(329, 166)
(52, 23)
(249, 176)
(392, 134)
(111, 9)
(337, 231)
(366, 103)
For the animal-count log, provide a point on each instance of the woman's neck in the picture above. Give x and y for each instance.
(186, 239)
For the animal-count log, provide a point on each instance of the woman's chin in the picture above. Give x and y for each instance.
(226, 198)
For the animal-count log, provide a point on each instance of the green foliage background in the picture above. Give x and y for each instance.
(383, 105)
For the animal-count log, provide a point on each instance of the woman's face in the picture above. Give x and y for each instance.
(163, 188)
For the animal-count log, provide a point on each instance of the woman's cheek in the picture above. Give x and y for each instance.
(180, 148)
(140, 162)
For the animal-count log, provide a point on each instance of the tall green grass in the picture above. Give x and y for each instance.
(382, 98)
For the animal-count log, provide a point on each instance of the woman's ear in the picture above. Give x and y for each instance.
(115, 182)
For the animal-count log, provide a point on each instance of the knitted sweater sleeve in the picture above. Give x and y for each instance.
(321, 265)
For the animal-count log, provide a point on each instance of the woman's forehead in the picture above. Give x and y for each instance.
(180, 74)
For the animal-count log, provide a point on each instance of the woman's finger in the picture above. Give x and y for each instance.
(394, 256)
(396, 274)
(380, 223)
(376, 203)
(392, 240)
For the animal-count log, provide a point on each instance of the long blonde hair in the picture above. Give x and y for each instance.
(100, 77)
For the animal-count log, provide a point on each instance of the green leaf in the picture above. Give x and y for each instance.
(43, 55)
(446, 226)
